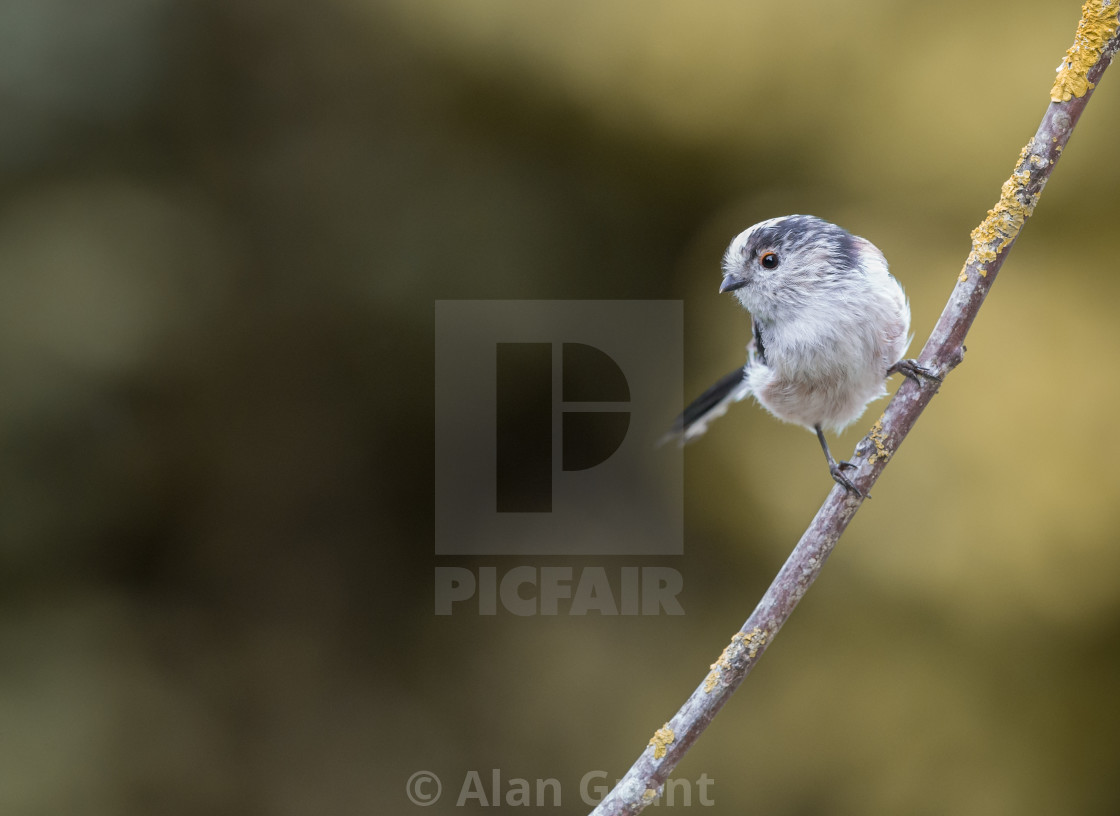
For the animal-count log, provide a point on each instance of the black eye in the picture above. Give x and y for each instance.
(769, 260)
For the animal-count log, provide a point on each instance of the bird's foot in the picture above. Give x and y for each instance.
(837, 471)
(913, 370)
(837, 468)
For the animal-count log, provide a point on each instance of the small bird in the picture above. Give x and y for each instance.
(829, 324)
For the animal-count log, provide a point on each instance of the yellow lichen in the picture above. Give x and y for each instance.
(662, 738)
(722, 662)
(752, 641)
(755, 640)
(1097, 26)
(879, 438)
(1004, 221)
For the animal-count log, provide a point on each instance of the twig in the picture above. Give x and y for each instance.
(1096, 42)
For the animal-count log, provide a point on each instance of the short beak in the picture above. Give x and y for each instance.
(731, 282)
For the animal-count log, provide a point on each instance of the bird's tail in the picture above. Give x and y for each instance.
(709, 405)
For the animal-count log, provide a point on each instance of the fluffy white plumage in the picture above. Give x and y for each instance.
(829, 323)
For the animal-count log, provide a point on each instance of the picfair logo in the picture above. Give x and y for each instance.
(547, 417)
(594, 408)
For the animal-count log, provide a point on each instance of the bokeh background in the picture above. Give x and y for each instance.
(223, 225)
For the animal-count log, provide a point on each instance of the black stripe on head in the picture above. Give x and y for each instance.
(801, 232)
(790, 232)
(845, 251)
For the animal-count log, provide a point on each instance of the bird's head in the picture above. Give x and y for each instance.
(792, 262)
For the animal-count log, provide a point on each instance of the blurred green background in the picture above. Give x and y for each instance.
(222, 230)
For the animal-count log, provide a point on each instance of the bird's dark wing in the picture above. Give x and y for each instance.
(709, 405)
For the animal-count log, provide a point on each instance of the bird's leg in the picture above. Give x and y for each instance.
(913, 370)
(837, 468)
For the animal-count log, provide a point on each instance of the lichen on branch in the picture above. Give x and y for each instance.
(1098, 25)
(1017, 200)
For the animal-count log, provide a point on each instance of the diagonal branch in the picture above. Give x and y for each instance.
(1095, 43)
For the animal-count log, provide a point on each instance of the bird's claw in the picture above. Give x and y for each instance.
(913, 370)
(837, 471)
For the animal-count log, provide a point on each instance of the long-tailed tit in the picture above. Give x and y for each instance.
(830, 324)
